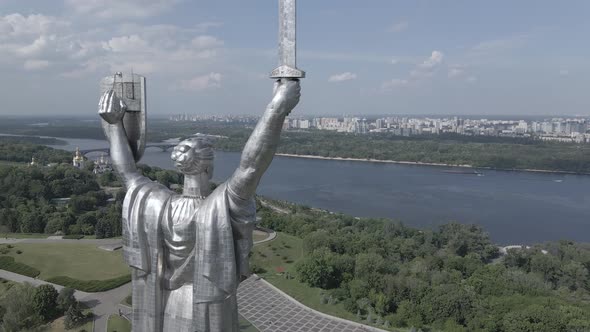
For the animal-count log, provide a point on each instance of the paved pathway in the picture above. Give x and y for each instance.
(270, 310)
(271, 235)
(37, 282)
(105, 304)
(102, 304)
(54, 240)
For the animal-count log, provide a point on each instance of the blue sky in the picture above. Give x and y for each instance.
(362, 57)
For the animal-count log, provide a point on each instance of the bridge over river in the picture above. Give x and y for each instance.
(163, 146)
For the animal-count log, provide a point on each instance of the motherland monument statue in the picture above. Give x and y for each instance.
(189, 252)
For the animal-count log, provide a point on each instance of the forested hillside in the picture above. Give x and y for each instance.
(452, 278)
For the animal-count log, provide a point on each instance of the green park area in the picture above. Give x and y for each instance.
(58, 326)
(79, 266)
(118, 324)
(24, 235)
(79, 261)
(275, 262)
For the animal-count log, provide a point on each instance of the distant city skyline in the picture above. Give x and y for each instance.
(384, 57)
(561, 129)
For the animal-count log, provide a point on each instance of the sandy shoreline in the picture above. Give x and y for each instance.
(417, 163)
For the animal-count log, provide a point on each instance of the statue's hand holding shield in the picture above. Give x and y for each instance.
(123, 103)
(111, 108)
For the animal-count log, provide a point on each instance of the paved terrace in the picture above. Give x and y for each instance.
(271, 310)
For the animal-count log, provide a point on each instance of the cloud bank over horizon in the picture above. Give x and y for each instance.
(214, 58)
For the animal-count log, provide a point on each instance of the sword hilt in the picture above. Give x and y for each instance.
(287, 72)
(287, 42)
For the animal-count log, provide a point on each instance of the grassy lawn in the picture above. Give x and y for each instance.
(245, 326)
(280, 253)
(58, 326)
(118, 324)
(5, 285)
(75, 260)
(283, 253)
(24, 235)
(128, 300)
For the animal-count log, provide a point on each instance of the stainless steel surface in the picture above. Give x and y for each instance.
(131, 89)
(287, 41)
(189, 252)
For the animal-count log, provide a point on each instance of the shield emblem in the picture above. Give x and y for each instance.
(131, 89)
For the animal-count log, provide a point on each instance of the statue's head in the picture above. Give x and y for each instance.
(194, 156)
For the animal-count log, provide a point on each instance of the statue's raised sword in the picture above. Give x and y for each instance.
(287, 42)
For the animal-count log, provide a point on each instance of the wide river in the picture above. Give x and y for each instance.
(514, 207)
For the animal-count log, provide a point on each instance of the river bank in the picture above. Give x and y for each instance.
(417, 163)
(515, 207)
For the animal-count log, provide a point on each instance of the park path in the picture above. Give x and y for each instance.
(102, 304)
(271, 310)
(37, 282)
(56, 240)
(107, 303)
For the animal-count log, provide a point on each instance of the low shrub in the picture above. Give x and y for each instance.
(91, 286)
(7, 263)
(73, 236)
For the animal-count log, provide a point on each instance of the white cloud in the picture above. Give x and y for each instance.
(471, 79)
(16, 26)
(37, 42)
(564, 72)
(427, 68)
(119, 9)
(126, 44)
(435, 59)
(199, 83)
(393, 84)
(347, 76)
(399, 26)
(35, 64)
(394, 61)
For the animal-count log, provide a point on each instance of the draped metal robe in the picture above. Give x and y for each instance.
(187, 256)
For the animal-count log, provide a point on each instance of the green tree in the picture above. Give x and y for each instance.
(66, 299)
(534, 318)
(20, 314)
(73, 317)
(45, 301)
(316, 269)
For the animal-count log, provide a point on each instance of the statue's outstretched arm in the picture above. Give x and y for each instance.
(263, 142)
(112, 110)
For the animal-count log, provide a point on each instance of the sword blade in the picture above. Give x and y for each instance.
(287, 33)
(287, 41)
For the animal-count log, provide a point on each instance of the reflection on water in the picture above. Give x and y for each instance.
(514, 207)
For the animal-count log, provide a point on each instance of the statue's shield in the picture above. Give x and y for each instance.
(131, 89)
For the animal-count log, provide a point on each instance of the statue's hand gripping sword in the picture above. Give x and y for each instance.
(287, 42)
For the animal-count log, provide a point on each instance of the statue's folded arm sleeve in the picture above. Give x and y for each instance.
(243, 220)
